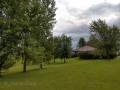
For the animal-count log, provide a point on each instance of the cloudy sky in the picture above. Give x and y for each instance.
(73, 16)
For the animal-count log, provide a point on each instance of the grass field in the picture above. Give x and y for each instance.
(74, 75)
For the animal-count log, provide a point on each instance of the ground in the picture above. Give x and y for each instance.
(74, 75)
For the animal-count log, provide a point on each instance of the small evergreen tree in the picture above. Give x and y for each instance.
(81, 42)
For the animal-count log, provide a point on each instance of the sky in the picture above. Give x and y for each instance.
(74, 16)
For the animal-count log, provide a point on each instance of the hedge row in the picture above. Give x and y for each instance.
(93, 55)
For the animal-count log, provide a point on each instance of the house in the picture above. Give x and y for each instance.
(84, 49)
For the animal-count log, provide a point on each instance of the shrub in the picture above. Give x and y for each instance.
(9, 62)
(88, 55)
(74, 55)
(111, 56)
(96, 55)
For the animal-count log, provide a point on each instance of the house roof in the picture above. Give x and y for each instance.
(85, 48)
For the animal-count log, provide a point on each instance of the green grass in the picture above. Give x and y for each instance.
(74, 75)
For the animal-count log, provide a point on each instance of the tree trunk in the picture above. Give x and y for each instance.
(24, 65)
(41, 66)
(24, 57)
(64, 60)
(48, 61)
(0, 72)
(107, 52)
(24, 62)
(108, 57)
(54, 60)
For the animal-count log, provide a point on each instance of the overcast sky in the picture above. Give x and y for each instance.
(73, 16)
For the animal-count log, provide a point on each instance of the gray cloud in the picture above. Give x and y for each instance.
(76, 37)
(74, 29)
(92, 13)
(116, 22)
(62, 2)
(75, 32)
(95, 11)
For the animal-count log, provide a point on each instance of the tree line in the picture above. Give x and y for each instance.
(26, 33)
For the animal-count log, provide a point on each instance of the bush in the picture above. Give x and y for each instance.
(96, 55)
(74, 55)
(111, 56)
(83, 55)
(88, 55)
(9, 62)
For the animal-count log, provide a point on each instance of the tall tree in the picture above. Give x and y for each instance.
(36, 55)
(108, 36)
(49, 49)
(40, 19)
(56, 45)
(9, 30)
(25, 24)
(62, 47)
(93, 41)
(65, 47)
(81, 42)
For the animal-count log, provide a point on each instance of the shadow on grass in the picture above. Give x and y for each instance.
(7, 74)
(57, 63)
(98, 59)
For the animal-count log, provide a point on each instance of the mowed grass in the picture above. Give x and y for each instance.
(74, 75)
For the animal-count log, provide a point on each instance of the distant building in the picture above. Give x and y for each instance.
(84, 49)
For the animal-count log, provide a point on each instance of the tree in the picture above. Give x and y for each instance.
(39, 21)
(11, 60)
(93, 41)
(81, 42)
(9, 30)
(25, 24)
(36, 55)
(49, 49)
(56, 41)
(64, 47)
(107, 36)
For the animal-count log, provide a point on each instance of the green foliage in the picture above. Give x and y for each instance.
(9, 36)
(39, 23)
(62, 46)
(48, 57)
(57, 51)
(112, 55)
(49, 49)
(11, 60)
(65, 46)
(106, 37)
(93, 41)
(25, 25)
(73, 55)
(81, 42)
(89, 55)
(37, 55)
(6, 62)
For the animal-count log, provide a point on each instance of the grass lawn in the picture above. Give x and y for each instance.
(74, 75)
